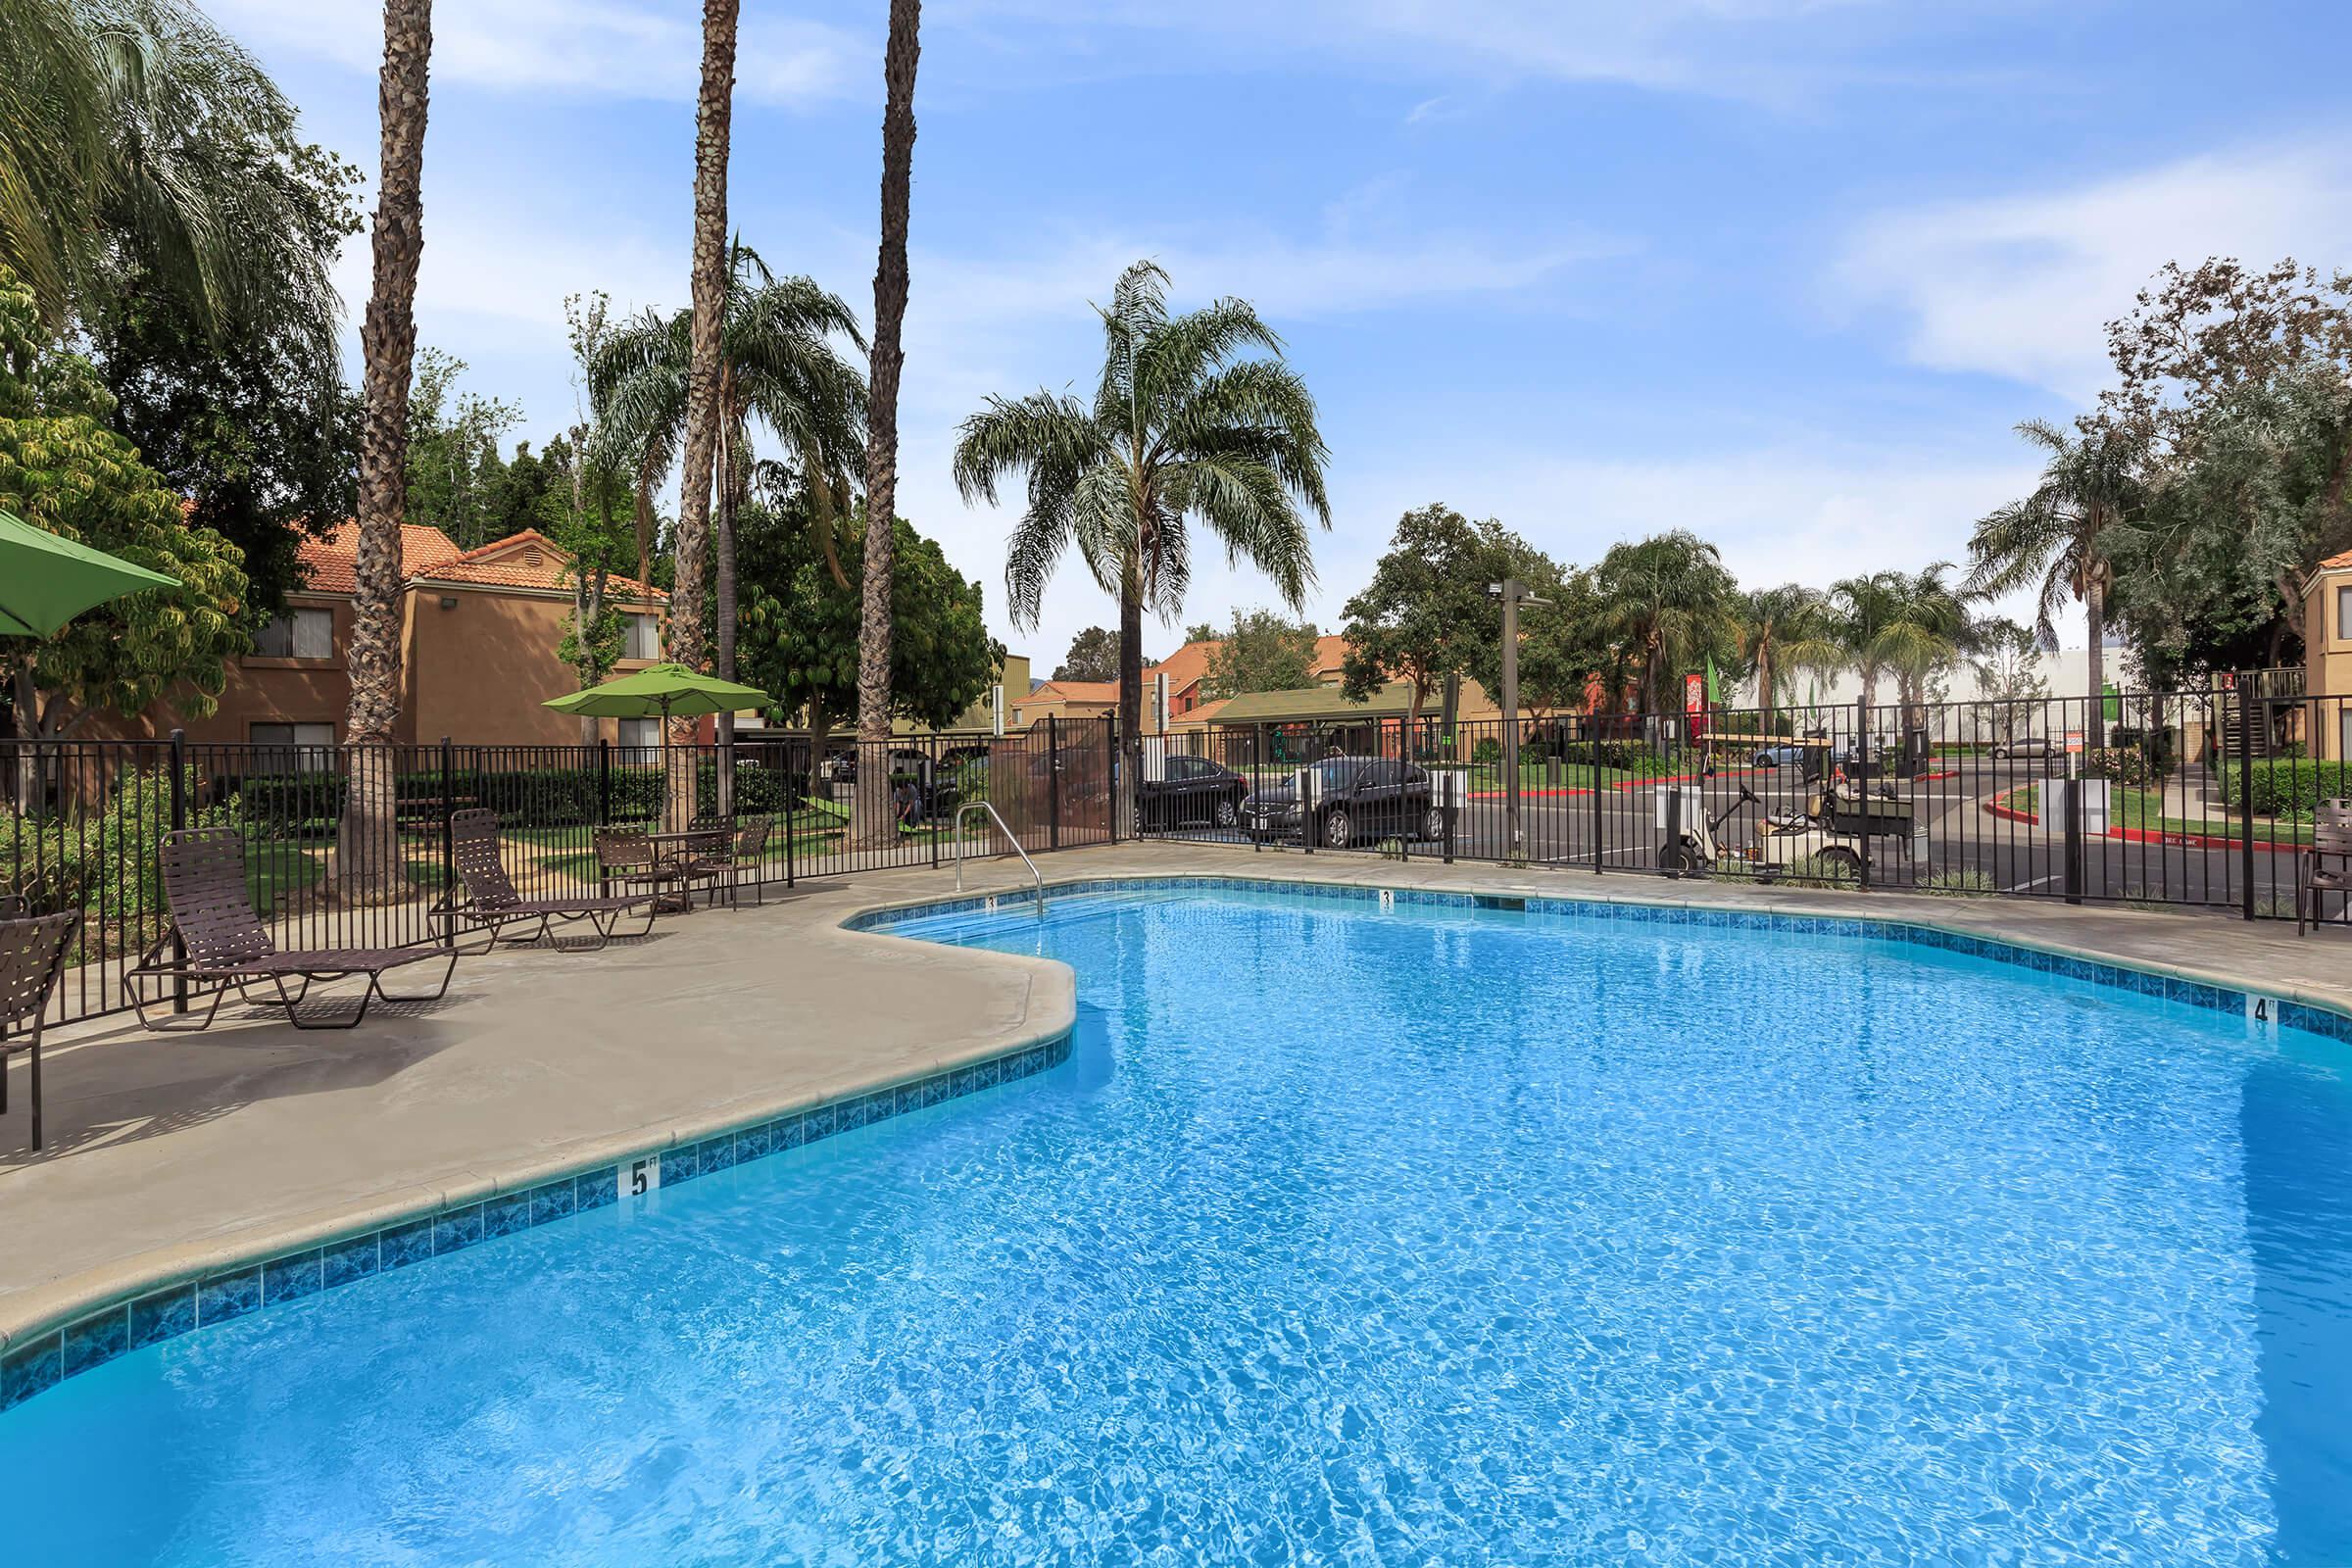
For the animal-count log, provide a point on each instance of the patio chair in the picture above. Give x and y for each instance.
(489, 900)
(2325, 866)
(734, 860)
(228, 947)
(32, 954)
(628, 857)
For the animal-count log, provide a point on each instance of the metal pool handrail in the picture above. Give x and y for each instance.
(983, 805)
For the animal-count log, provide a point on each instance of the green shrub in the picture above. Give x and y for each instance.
(2128, 765)
(1489, 752)
(2289, 786)
(523, 798)
(1633, 757)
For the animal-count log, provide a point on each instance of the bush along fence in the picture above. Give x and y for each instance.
(2198, 799)
(80, 821)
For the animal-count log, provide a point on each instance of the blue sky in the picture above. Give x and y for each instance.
(1784, 271)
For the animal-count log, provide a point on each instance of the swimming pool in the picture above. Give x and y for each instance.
(1351, 1234)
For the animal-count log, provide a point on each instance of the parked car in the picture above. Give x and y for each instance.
(2023, 746)
(1359, 797)
(1190, 790)
(1783, 756)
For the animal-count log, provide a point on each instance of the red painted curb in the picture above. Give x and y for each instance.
(2143, 835)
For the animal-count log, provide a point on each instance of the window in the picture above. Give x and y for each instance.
(645, 637)
(291, 748)
(2344, 613)
(645, 733)
(297, 634)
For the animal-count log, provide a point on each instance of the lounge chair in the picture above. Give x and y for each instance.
(227, 945)
(491, 901)
(735, 861)
(32, 954)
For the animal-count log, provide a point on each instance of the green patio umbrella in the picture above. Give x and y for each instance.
(664, 692)
(46, 580)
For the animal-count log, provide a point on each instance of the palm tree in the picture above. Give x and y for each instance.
(1784, 630)
(134, 127)
(368, 859)
(1183, 426)
(689, 636)
(2055, 540)
(899, 56)
(1670, 601)
(1904, 624)
(777, 365)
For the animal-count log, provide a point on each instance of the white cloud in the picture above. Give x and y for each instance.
(2023, 285)
(620, 48)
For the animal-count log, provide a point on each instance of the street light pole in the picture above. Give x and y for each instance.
(1513, 593)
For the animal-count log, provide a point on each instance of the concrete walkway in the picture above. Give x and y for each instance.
(172, 1155)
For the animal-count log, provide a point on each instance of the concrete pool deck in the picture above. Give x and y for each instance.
(173, 1156)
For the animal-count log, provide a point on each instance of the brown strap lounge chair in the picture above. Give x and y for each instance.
(492, 901)
(32, 954)
(227, 945)
(2325, 864)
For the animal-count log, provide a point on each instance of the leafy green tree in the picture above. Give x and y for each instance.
(1425, 615)
(456, 475)
(64, 469)
(1562, 641)
(1262, 651)
(2235, 383)
(1184, 428)
(1783, 631)
(1670, 601)
(248, 416)
(1201, 631)
(1094, 656)
(800, 626)
(2056, 540)
(2006, 661)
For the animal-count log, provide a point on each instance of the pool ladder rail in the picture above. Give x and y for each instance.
(1035, 875)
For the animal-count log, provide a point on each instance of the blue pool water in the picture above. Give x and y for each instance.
(1353, 1238)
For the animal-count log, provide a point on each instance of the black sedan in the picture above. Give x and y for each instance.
(1192, 790)
(1357, 797)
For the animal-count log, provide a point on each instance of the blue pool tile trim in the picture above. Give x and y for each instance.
(2319, 1020)
(46, 1359)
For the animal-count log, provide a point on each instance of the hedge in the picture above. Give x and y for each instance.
(2286, 786)
(523, 798)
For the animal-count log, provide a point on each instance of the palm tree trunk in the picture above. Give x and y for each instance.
(689, 636)
(1131, 691)
(874, 822)
(645, 524)
(367, 851)
(2094, 609)
(730, 493)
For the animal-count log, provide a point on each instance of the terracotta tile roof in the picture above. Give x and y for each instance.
(526, 559)
(1185, 666)
(331, 563)
(1189, 665)
(2334, 561)
(1078, 691)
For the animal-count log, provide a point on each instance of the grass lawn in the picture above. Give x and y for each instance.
(2143, 810)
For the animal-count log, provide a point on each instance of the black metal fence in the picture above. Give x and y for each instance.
(2202, 799)
(80, 821)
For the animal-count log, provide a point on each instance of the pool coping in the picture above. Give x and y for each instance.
(87, 1319)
